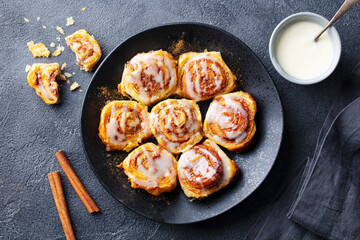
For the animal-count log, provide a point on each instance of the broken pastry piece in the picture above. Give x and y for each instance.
(38, 49)
(42, 78)
(86, 48)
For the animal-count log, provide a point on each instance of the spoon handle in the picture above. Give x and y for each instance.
(343, 9)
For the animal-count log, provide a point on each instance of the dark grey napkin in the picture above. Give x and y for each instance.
(323, 200)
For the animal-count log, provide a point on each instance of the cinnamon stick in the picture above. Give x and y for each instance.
(75, 182)
(58, 193)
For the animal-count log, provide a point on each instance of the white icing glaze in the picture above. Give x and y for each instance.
(116, 130)
(158, 168)
(178, 130)
(112, 132)
(82, 46)
(47, 91)
(151, 65)
(216, 114)
(195, 84)
(201, 166)
(225, 161)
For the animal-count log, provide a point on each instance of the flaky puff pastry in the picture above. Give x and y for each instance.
(42, 78)
(123, 125)
(230, 120)
(205, 169)
(149, 77)
(203, 76)
(176, 124)
(152, 168)
(86, 49)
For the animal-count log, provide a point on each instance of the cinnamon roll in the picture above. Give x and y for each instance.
(42, 78)
(86, 49)
(152, 168)
(176, 124)
(230, 121)
(123, 125)
(205, 169)
(149, 77)
(204, 75)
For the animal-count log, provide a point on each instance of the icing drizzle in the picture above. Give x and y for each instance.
(231, 117)
(152, 74)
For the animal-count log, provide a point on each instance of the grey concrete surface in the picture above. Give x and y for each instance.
(31, 131)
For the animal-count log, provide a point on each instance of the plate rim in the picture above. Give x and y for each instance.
(160, 26)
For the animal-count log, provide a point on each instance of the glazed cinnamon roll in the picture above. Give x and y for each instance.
(86, 49)
(152, 168)
(149, 77)
(42, 78)
(204, 75)
(123, 125)
(205, 169)
(176, 124)
(230, 121)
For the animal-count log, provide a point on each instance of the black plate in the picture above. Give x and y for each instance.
(255, 162)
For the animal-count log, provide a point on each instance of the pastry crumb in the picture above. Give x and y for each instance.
(80, 90)
(44, 27)
(73, 73)
(63, 66)
(52, 45)
(67, 74)
(38, 18)
(68, 81)
(58, 51)
(58, 39)
(38, 49)
(62, 77)
(74, 86)
(27, 68)
(60, 30)
(70, 21)
(26, 20)
(83, 9)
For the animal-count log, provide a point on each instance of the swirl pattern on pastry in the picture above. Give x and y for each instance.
(123, 125)
(86, 49)
(204, 75)
(176, 124)
(152, 168)
(149, 77)
(42, 78)
(205, 169)
(230, 120)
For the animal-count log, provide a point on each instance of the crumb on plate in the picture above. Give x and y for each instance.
(52, 45)
(67, 74)
(58, 51)
(74, 86)
(60, 30)
(38, 49)
(63, 66)
(83, 9)
(62, 77)
(26, 20)
(70, 21)
(44, 27)
(38, 18)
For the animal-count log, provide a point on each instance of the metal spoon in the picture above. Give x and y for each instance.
(343, 9)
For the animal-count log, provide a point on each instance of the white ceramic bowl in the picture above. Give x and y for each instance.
(304, 16)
